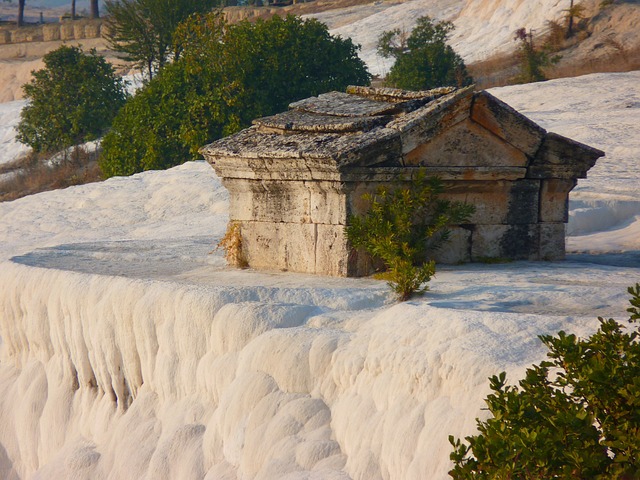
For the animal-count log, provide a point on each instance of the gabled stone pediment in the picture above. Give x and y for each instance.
(506, 123)
(295, 178)
(466, 144)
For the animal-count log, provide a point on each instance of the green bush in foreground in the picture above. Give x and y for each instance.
(402, 226)
(576, 416)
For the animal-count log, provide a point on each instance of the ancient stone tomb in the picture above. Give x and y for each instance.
(295, 178)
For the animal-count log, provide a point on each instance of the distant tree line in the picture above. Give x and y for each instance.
(204, 79)
(94, 10)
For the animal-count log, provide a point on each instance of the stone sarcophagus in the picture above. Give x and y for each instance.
(295, 178)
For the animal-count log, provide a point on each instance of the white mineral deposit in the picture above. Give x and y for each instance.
(129, 349)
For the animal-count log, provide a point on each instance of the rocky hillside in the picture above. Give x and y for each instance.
(608, 37)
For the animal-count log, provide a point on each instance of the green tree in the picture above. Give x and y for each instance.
(227, 75)
(142, 30)
(423, 59)
(146, 133)
(287, 59)
(20, 17)
(533, 60)
(574, 11)
(402, 227)
(73, 99)
(576, 415)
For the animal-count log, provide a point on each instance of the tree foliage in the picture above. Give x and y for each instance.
(576, 415)
(423, 59)
(533, 60)
(402, 227)
(227, 75)
(73, 99)
(147, 133)
(575, 10)
(282, 60)
(142, 30)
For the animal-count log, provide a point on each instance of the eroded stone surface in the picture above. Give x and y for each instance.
(339, 104)
(466, 144)
(503, 121)
(296, 178)
(301, 121)
(554, 199)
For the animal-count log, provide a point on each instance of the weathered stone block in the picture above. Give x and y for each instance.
(491, 202)
(104, 30)
(499, 202)
(51, 32)
(20, 36)
(521, 242)
(486, 241)
(67, 31)
(424, 124)
(561, 157)
(280, 246)
(523, 202)
(552, 241)
(328, 203)
(269, 201)
(356, 203)
(78, 31)
(457, 249)
(333, 251)
(516, 242)
(341, 105)
(554, 199)
(463, 145)
(92, 29)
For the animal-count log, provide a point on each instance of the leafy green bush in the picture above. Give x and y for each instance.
(153, 130)
(424, 60)
(574, 416)
(73, 99)
(226, 76)
(403, 225)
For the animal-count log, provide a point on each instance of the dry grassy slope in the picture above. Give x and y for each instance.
(607, 40)
(614, 30)
(18, 60)
(614, 41)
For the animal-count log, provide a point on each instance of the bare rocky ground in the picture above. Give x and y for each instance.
(606, 40)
